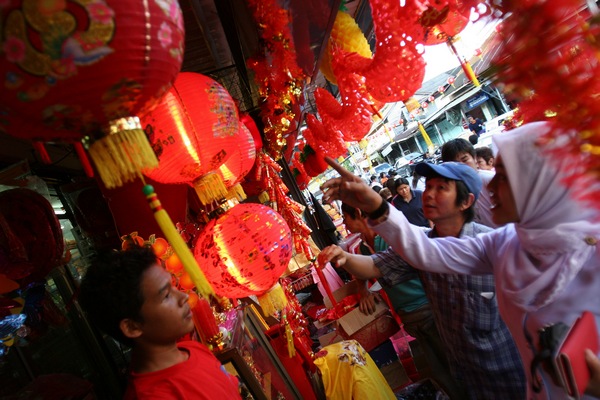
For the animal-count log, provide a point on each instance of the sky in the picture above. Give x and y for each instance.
(439, 58)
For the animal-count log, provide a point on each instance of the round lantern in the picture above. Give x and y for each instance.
(86, 69)
(244, 251)
(193, 131)
(441, 24)
(450, 80)
(234, 170)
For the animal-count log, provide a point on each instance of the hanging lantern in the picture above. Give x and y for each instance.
(440, 24)
(86, 69)
(244, 251)
(431, 99)
(424, 105)
(193, 131)
(451, 80)
(234, 170)
(478, 52)
(441, 89)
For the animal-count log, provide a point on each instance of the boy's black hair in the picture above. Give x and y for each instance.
(473, 139)
(352, 212)
(111, 289)
(452, 148)
(485, 153)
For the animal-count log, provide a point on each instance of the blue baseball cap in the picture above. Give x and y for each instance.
(455, 171)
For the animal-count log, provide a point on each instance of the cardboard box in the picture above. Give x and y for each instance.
(355, 320)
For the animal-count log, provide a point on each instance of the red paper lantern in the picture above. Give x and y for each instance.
(442, 23)
(73, 69)
(245, 251)
(241, 162)
(424, 105)
(450, 80)
(193, 131)
(431, 99)
(441, 89)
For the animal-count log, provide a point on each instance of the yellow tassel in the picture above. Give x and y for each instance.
(210, 187)
(178, 244)
(273, 300)
(289, 337)
(263, 197)
(123, 153)
(236, 191)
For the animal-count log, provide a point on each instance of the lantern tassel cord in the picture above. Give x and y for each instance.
(177, 243)
(84, 159)
(289, 337)
(325, 285)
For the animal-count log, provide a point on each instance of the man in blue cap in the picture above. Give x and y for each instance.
(481, 353)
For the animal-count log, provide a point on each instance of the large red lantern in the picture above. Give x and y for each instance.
(244, 251)
(76, 69)
(193, 131)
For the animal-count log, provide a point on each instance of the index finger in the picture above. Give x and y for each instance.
(344, 173)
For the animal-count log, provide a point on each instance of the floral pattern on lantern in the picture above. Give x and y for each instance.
(193, 131)
(244, 251)
(70, 68)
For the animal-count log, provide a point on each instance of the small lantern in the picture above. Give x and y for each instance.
(244, 251)
(441, 89)
(193, 131)
(431, 99)
(440, 25)
(451, 80)
(424, 105)
(239, 164)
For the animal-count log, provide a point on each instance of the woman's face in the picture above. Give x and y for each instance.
(504, 209)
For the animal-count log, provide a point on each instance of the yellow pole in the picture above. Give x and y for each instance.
(426, 137)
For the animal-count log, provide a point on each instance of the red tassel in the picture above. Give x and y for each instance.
(44, 156)
(83, 158)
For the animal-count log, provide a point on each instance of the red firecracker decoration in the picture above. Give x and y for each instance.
(244, 251)
(75, 69)
(313, 161)
(193, 131)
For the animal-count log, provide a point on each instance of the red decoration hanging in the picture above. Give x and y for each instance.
(245, 251)
(451, 80)
(193, 131)
(443, 19)
(241, 162)
(73, 70)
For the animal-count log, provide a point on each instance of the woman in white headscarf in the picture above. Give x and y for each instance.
(546, 264)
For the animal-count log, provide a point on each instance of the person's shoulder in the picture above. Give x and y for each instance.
(485, 175)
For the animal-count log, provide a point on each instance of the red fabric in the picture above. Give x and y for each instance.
(200, 377)
(294, 366)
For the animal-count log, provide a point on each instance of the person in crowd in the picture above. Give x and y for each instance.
(391, 184)
(481, 352)
(375, 185)
(382, 178)
(407, 297)
(418, 181)
(545, 260)
(473, 139)
(386, 194)
(129, 295)
(485, 158)
(462, 151)
(476, 125)
(409, 202)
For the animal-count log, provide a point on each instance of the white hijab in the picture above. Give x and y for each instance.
(556, 233)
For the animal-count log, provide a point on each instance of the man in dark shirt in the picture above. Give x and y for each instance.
(476, 125)
(410, 203)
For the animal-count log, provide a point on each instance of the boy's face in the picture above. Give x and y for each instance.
(467, 159)
(165, 312)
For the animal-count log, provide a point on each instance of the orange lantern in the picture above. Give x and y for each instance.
(85, 69)
(244, 251)
(193, 131)
(234, 170)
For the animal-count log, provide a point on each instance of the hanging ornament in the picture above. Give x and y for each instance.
(347, 36)
(234, 170)
(245, 250)
(84, 69)
(193, 131)
(431, 99)
(424, 105)
(451, 80)
(444, 19)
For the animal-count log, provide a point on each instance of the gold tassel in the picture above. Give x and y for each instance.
(273, 300)
(289, 337)
(210, 187)
(122, 153)
(236, 192)
(178, 244)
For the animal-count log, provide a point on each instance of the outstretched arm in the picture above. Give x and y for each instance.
(362, 267)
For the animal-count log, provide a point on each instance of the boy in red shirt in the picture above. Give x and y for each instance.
(129, 295)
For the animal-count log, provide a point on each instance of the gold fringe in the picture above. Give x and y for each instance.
(236, 191)
(273, 300)
(289, 337)
(121, 155)
(263, 197)
(210, 187)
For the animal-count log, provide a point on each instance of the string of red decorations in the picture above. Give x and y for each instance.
(278, 76)
(556, 44)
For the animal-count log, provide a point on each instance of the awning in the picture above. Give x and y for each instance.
(387, 150)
